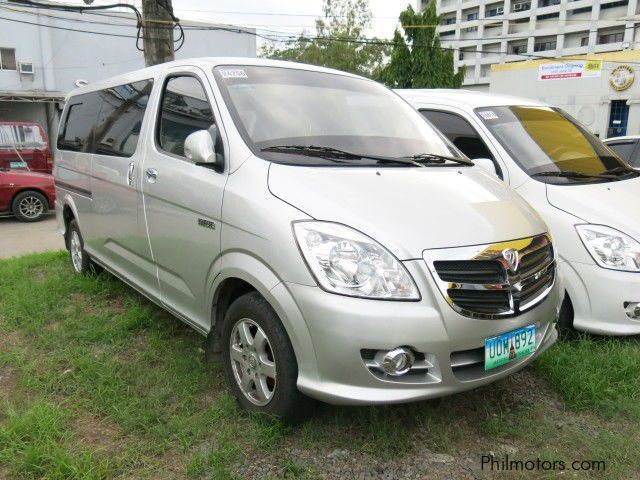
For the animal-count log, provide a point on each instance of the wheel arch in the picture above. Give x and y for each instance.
(69, 212)
(242, 272)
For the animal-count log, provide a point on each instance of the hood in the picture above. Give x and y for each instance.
(409, 210)
(614, 204)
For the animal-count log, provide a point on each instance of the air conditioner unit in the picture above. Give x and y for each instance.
(499, 10)
(26, 68)
(517, 7)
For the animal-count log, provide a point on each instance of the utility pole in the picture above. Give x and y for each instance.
(158, 22)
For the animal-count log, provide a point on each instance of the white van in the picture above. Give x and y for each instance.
(586, 194)
(322, 236)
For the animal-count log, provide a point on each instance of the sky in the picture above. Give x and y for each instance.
(290, 16)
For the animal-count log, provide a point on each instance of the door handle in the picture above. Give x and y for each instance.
(130, 174)
(152, 175)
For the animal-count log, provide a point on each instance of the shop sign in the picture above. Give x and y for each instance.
(570, 69)
(622, 77)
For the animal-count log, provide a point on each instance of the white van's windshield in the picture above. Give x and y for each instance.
(303, 117)
(552, 147)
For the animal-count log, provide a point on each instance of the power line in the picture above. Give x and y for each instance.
(286, 38)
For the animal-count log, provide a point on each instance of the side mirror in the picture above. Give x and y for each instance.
(200, 148)
(487, 165)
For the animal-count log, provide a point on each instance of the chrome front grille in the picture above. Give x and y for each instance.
(496, 280)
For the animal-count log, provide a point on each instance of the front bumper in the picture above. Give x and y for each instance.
(598, 296)
(341, 327)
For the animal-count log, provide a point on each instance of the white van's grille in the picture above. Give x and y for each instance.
(496, 280)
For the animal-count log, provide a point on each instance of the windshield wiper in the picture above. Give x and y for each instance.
(622, 170)
(571, 174)
(435, 158)
(335, 154)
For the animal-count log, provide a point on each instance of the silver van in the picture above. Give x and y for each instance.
(326, 240)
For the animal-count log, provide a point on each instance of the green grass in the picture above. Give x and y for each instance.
(97, 382)
(599, 374)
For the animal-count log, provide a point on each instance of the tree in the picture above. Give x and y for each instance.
(339, 42)
(417, 59)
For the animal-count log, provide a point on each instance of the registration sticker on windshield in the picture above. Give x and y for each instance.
(233, 73)
(488, 114)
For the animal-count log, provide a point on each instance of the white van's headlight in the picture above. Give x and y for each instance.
(611, 248)
(348, 262)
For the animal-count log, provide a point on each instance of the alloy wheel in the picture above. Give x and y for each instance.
(252, 362)
(31, 207)
(75, 248)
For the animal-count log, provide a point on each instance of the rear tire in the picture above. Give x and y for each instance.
(80, 260)
(29, 206)
(260, 362)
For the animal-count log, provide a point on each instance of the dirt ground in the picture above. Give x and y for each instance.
(17, 238)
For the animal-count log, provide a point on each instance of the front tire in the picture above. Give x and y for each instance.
(29, 206)
(260, 362)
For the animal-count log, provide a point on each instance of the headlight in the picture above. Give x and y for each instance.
(611, 248)
(347, 262)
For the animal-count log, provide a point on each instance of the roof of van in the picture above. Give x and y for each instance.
(463, 97)
(206, 62)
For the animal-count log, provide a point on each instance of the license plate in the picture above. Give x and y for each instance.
(509, 346)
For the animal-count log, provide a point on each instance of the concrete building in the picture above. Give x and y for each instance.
(45, 53)
(490, 31)
(600, 90)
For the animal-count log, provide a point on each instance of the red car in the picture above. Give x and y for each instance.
(24, 145)
(28, 195)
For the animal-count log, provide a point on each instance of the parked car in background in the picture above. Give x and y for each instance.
(357, 258)
(24, 145)
(627, 148)
(26, 195)
(587, 195)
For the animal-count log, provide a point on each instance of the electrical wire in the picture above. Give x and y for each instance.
(93, 8)
(285, 38)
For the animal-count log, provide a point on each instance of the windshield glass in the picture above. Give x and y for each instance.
(547, 143)
(275, 107)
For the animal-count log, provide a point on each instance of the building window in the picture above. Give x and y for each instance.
(521, 6)
(7, 59)
(584, 41)
(518, 49)
(614, 37)
(548, 15)
(494, 12)
(544, 46)
(472, 16)
(547, 3)
(614, 5)
(448, 21)
(578, 11)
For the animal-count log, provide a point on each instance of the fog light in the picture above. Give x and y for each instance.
(632, 309)
(397, 361)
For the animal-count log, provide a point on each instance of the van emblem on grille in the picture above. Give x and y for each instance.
(512, 258)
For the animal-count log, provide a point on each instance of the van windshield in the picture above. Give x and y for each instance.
(552, 147)
(277, 110)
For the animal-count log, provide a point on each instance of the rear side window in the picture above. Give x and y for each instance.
(624, 150)
(185, 109)
(106, 122)
(76, 133)
(120, 119)
(459, 132)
